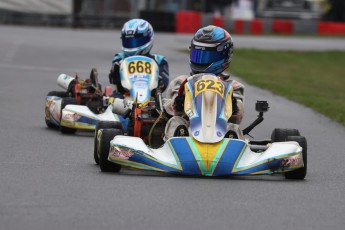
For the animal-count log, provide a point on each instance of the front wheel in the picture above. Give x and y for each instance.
(106, 136)
(103, 125)
(64, 102)
(299, 174)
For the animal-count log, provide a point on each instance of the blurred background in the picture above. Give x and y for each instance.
(165, 14)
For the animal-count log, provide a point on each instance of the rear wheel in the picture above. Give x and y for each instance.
(64, 102)
(61, 94)
(279, 135)
(106, 136)
(103, 125)
(299, 174)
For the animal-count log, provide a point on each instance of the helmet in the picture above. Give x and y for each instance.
(137, 37)
(211, 50)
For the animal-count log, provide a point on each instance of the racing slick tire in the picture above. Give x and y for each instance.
(103, 125)
(279, 135)
(64, 102)
(106, 136)
(299, 174)
(61, 94)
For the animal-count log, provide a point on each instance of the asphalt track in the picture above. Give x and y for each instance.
(49, 180)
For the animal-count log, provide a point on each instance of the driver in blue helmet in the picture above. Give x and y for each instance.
(137, 39)
(211, 52)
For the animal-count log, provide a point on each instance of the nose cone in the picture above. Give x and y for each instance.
(209, 115)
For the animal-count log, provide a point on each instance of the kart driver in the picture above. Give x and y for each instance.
(137, 39)
(210, 52)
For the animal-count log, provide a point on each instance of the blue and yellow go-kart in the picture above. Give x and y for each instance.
(208, 150)
(144, 110)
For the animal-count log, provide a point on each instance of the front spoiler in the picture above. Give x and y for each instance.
(81, 117)
(184, 155)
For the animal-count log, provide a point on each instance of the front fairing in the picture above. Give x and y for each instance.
(208, 104)
(81, 117)
(185, 155)
(139, 75)
(53, 109)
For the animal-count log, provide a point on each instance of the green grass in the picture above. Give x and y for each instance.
(315, 79)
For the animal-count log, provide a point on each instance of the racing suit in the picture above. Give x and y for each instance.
(114, 75)
(173, 105)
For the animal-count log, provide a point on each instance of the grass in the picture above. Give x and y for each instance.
(315, 79)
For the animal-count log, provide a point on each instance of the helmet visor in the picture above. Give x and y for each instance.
(204, 57)
(134, 42)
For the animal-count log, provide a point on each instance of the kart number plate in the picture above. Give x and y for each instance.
(140, 67)
(213, 85)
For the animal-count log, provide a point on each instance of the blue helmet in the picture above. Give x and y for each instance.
(137, 37)
(211, 50)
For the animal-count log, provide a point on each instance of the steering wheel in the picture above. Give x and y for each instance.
(94, 77)
(181, 89)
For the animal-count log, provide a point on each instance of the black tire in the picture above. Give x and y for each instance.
(50, 125)
(299, 174)
(279, 135)
(103, 125)
(64, 102)
(106, 136)
(61, 94)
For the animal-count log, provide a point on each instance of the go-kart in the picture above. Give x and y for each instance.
(211, 148)
(81, 106)
(142, 106)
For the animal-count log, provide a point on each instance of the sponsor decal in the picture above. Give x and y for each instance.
(47, 112)
(52, 109)
(189, 113)
(71, 116)
(189, 104)
(56, 113)
(120, 153)
(293, 161)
